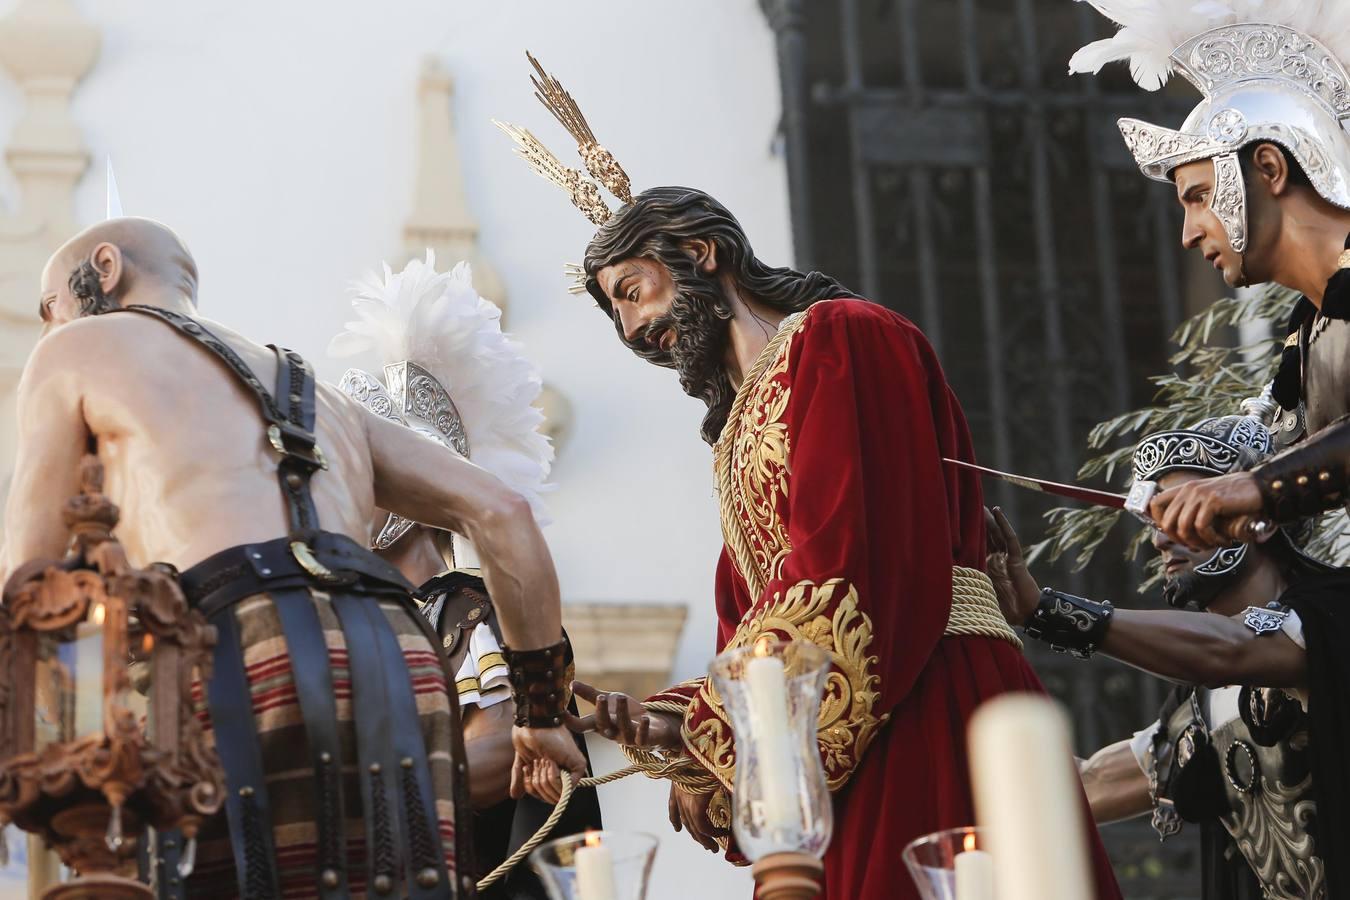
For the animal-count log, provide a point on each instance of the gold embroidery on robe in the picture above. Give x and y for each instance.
(751, 464)
(848, 722)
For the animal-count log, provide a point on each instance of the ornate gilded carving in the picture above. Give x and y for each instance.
(719, 816)
(848, 721)
(751, 463)
(157, 763)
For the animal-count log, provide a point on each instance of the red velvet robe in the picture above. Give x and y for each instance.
(842, 526)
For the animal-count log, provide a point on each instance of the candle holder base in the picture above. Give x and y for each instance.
(788, 876)
(100, 887)
(83, 847)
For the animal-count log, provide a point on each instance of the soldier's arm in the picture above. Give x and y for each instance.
(1186, 647)
(425, 482)
(1308, 478)
(1206, 649)
(1115, 785)
(487, 744)
(52, 437)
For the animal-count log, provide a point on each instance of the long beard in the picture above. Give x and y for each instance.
(700, 315)
(1192, 590)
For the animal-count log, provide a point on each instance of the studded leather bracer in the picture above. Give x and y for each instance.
(1307, 479)
(539, 684)
(1069, 624)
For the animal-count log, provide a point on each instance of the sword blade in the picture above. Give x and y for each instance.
(1072, 491)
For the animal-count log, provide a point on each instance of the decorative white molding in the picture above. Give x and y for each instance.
(441, 218)
(47, 47)
(628, 647)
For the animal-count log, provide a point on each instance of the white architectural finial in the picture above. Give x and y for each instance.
(114, 200)
(440, 217)
(46, 47)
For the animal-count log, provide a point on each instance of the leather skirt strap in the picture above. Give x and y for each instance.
(377, 765)
(246, 806)
(312, 675)
(424, 860)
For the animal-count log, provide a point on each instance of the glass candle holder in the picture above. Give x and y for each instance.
(772, 692)
(951, 865)
(596, 865)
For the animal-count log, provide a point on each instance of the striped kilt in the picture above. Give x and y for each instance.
(287, 757)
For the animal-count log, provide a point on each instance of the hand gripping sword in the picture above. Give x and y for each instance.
(1135, 503)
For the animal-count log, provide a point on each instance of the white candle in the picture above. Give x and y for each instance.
(1029, 800)
(89, 673)
(767, 695)
(595, 870)
(974, 873)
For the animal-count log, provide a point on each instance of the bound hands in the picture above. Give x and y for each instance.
(540, 751)
(1018, 593)
(618, 717)
(689, 812)
(623, 720)
(1210, 513)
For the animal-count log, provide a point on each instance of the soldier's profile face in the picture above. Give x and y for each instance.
(1201, 230)
(1177, 559)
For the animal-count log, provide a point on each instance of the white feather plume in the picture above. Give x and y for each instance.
(438, 321)
(1151, 29)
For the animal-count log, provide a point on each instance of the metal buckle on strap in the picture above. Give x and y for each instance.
(308, 452)
(304, 555)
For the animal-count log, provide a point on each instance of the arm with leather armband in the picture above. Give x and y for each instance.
(539, 681)
(1308, 479)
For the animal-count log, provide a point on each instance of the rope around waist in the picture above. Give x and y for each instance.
(975, 611)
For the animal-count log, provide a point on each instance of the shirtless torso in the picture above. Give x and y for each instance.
(186, 457)
(164, 416)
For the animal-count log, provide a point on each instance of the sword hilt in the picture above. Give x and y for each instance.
(1137, 500)
(1142, 493)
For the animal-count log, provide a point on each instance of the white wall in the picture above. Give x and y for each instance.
(277, 137)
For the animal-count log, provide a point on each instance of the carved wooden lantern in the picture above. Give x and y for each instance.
(98, 738)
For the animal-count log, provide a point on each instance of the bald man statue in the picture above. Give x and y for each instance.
(329, 704)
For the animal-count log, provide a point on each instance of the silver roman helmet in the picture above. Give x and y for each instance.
(449, 373)
(1268, 70)
(1212, 447)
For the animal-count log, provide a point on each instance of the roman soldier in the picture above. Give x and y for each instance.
(450, 374)
(1262, 170)
(1230, 751)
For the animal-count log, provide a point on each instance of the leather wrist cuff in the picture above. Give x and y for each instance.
(1069, 624)
(1301, 485)
(538, 684)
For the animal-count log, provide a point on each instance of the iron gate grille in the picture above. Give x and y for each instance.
(942, 161)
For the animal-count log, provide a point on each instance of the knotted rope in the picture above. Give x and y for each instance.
(551, 822)
(975, 611)
(975, 608)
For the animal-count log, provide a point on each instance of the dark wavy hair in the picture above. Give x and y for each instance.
(87, 288)
(656, 226)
